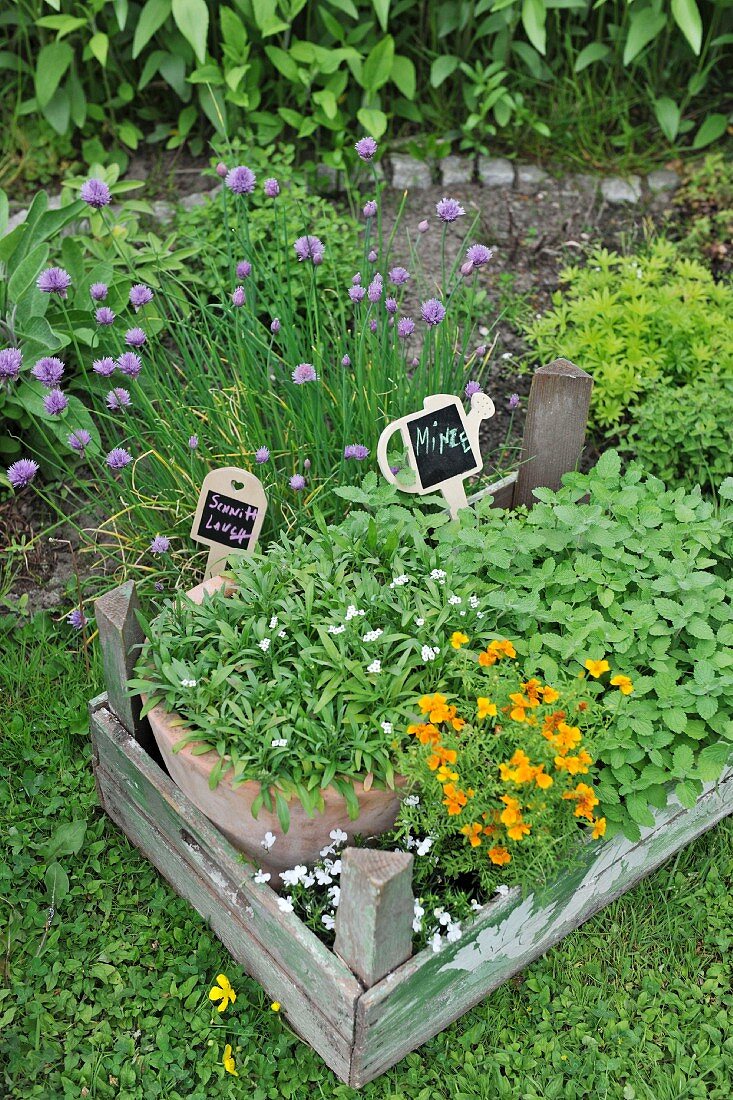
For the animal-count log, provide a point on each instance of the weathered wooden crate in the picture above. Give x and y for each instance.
(366, 1004)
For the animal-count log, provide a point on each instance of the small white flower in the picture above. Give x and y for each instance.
(417, 925)
(507, 355)
(438, 575)
(262, 876)
(412, 800)
(188, 683)
(417, 909)
(338, 836)
(386, 726)
(372, 635)
(424, 846)
(268, 842)
(352, 612)
(375, 666)
(455, 600)
(479, 614)
(476, 905)
(410, 842)
(264, 644)
(273, 622)
(429, 654)
(308, 881)
(322, 876)
(281, 634)
(336, 629)
(399, 581)
(419, 622)
(327, 850)
(279, 742)
(502, 890)
(453, 932)
(442, 916)
(334, 892)
(473, 602)
(462, 612)
(295, 875)
(335, 867)
(285, 905)
(435, 942)
(329, 921)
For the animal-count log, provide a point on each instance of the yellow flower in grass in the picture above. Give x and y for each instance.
(472, 833)
(516, 832)
(228, 1061)
(599, 827)
(222, 992)
(623, 683)
(458, 638)
(486, 709)
(445, 775)
(597, 668)
(275, 1006)
(499, 855)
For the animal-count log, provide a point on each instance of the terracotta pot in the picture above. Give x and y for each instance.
(231, 808)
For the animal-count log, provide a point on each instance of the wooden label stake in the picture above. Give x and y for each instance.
(442, 445)
(229, 515)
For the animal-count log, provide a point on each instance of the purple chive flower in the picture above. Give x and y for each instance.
(275, 325)
(159, 586)
(370, 208)
(373, 325)
(414, 362)
(140, 295)
(346, 361)
(357, 293)
(105, 366)
(398, 276)
(366, 147)
(514, 401)
(240, 180)
(390, 304)
(472, 388)
(104, 316)
(448, 210)
(48, 371)
(309, 248)
(130, 364)
(297, 482)
(22, 472)
(271, 188)
(405, 327)
(221, 169)
(55, 402)
(135, 337)
(77, 619)
(262, 454)
(10, 363)
(480, 351)
(467, 269)
(395, 469)
(356, 279)
(96, 193)
(307, 464)
(98, 291)
(193, 442)
(304, 372)
(118, 399)
(432, 311)
(372, 257)
(238, 296)
(357, 451)
(423, 226)
(79, 440)
(375, 288)
(478, 254)
(118, 458)
(244, 269)
(54, 280)
(161, 544)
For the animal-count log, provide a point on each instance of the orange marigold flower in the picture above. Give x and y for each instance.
(518, 831)
(574, 765)
(487, 659)
(457, 723)
(445, 775)
(489, 830)
(458, 639)
(499, 855)
(472, 833)
(541, 778)
(597, 668)
(502, 648)
(486, 709)
(566, 738)
(550, 694)
(623, 683)
(427, 702)
(599, 827)
(585, 798)
(582, 705)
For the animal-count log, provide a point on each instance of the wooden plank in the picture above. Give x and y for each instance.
(317, 992)
(554, 431)
(429, 991)
(120, 636)
(502, 492)
(375, 913)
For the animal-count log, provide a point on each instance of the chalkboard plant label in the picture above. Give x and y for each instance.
(229, 515)
(442, 445)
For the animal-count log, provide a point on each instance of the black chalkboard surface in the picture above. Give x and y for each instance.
(227, 521)
(441, 447)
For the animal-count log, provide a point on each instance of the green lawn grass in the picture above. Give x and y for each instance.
(110, 1000)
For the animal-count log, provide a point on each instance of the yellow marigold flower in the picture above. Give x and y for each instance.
(585, 798)
(599, 827)
(222, 992)
(541, 778)
(433, 761)
(550, 694)
(533, 688)
(445, 775)
(518, 831)
(502, 648)
(458, 638)
(228, 1061)
(597, 668)
(512, 815)
(499, 855)
(472, 833)
(486, 709)
(427, 702)
(574, 765)
(566, 738)
(487, 659)
(275, 1006)
(623, 683)
(455, 799)
(426, 733)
